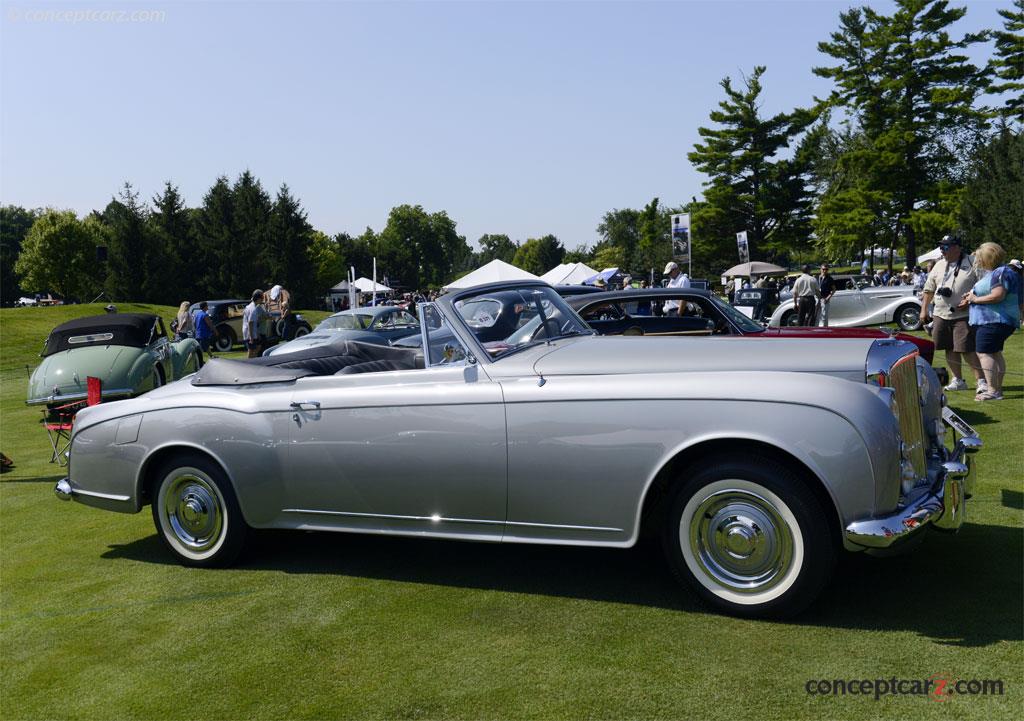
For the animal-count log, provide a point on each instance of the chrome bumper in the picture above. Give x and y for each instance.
(65, 490)
(943, 505)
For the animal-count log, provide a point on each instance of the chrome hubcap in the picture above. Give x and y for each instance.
(193, 512)
(910, 318)
(741, 541)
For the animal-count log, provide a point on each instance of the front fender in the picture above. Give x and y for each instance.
(182, 354)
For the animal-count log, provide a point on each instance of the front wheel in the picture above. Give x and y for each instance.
(789, 319)
(749, 537)
(908, 317)
(196, 513)
(301, 331)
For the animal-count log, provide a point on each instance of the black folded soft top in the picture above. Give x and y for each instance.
(128, 329)
(326, 359)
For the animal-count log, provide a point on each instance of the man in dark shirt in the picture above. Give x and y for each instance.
(827, 286)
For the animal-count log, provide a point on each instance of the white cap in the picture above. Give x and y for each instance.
(669, 267)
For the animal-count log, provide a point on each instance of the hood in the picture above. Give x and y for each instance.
(925, 346)
(612, 355)
(67, 371)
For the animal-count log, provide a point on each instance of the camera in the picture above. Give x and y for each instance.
(944, 292)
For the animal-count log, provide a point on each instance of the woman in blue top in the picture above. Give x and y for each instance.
(995, 304)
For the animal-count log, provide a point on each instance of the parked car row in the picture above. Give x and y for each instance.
(756, 463)
(227, 322)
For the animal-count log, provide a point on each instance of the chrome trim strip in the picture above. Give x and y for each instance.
(442, 519)
(65, 489)
(80, 396)
(391, 517)
(565, 527)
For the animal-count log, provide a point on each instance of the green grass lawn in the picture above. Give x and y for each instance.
(96, 621)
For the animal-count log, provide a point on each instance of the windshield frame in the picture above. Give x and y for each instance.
(461, 328)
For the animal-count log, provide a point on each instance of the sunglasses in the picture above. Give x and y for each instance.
(946, 246)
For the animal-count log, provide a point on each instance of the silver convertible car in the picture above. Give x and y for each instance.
(866, 305)
(756, 461)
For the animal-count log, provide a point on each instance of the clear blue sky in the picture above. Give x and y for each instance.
(522, 118)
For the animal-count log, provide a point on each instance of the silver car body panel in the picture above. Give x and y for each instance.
(865, 306)
(486, 451)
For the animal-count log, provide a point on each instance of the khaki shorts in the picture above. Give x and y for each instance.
(955, 335)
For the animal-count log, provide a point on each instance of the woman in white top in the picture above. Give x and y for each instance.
(184, 327)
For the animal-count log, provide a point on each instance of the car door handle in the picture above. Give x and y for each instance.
(300, 404)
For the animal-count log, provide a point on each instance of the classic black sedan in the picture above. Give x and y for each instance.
(655, 311)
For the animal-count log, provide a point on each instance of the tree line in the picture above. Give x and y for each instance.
(902, 151)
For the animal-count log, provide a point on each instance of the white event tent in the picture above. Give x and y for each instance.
(569, 274)
(365, 285)
(929, 256)
(490, 273)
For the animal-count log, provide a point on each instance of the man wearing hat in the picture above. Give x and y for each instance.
(252, 319)
(952, 276)
(676, 279)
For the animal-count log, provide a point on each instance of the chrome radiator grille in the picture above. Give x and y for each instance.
(903, 380)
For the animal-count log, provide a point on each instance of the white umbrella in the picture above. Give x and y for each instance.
(755, 267)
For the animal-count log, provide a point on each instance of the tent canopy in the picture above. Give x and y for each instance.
(492, 272)
(929, 256)
(755, 267)
(568, 274)
(365, 285)
(341, 287)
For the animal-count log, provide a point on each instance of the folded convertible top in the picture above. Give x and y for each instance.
(224, 372)
(285, 367)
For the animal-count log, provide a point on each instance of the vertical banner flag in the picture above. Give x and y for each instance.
(681, 237)
(741, 244)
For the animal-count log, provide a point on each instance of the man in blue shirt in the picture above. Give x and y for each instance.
(204, 327)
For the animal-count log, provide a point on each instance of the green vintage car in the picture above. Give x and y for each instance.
(129, 352)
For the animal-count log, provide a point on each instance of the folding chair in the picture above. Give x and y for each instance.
(59, 420)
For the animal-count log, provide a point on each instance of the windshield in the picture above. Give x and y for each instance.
(745, 324)
(505, 321)
(346, 321)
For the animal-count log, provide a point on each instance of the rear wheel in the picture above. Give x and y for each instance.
(749, 537)
(301, 331)
(908, 317)
(196, 513)
(789, 319)
(225, 339)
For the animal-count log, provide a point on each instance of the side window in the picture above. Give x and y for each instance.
(444, 346)
(235, 310)
(385, 321)
(405, 320)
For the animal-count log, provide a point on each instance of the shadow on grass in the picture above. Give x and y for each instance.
(964, 590)
(1013, 499)
(39, 479)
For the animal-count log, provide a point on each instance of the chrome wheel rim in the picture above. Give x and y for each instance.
(740, 541)
(192, 511)
(909, 318)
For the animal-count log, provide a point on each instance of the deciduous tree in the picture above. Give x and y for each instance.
(59, 254)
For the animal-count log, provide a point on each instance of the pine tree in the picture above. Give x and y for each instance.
(751, 186)
(912, 92)
(289, 262)
(1007, 63)
(132, 269)
(992, 204)
(250, 235)
(15, 223)
(219, 262)
(173, 239)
